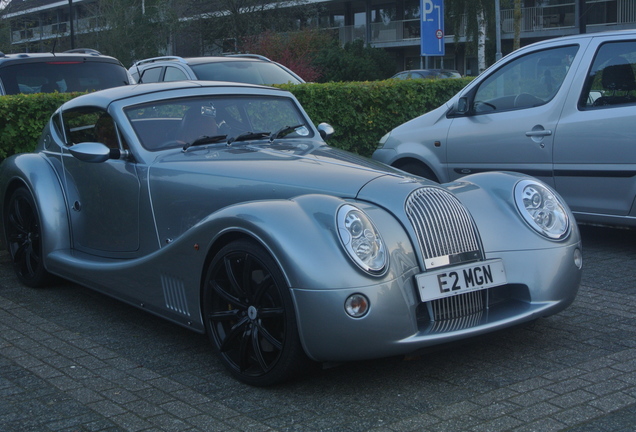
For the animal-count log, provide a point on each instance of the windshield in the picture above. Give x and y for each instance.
(231, 120)
(62, 76)
(251, 72)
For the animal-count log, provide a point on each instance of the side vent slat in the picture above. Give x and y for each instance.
(174, 295)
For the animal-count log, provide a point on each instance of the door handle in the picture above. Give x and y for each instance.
(539, 133)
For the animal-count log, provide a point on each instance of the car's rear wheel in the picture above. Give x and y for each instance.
(24, 239)
(249, 315)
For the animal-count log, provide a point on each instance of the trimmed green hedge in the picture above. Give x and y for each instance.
(22, 118)
(360, 112)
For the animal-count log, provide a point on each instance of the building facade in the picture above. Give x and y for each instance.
(393, 25)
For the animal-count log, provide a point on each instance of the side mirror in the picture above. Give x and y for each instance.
(462, 107)
(325, 130)
(90, 152)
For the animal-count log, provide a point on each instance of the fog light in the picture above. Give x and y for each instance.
(357, 305)
(578, 258)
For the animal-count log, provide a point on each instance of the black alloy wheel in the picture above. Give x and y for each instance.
(249, 315)
(24, 239)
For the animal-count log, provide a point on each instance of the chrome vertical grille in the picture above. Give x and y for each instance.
(444, 228)
(442, 224)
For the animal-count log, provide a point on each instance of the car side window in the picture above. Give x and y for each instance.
(92, 126)
(174, 74)
(150, 75)
(525, 82)
(611, 79)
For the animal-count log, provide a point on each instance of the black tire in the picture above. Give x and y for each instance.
(24, 239)
(418, 169)
(249, 316)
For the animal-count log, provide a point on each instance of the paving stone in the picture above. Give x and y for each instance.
(72, 360)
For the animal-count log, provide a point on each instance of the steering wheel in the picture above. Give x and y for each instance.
(526, 100)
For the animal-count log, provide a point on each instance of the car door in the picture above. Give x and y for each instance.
(103, 197)
(512, 117)
(595, 145)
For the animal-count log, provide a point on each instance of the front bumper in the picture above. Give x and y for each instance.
(540, 283)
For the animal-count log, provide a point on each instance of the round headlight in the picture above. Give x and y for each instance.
(361, 239)
(542, 209)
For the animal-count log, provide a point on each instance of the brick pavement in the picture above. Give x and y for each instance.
(74, 360)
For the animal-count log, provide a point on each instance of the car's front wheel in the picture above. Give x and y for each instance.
(417, 168)
(24, 239)
(249, 315)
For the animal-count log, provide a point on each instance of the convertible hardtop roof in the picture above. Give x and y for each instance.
(103, 98)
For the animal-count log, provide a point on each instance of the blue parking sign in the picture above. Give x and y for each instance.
(432, 27)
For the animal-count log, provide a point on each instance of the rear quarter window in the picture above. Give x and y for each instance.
(611, 80)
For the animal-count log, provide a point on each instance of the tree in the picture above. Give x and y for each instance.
(354, 62)
(478, 13)
(517, 25)
(132, 29)
(229, 22)
(296, 50)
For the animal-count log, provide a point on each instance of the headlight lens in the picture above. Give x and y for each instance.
(542, 209)
(361, 240)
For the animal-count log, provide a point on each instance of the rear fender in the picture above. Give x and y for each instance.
(34, 172)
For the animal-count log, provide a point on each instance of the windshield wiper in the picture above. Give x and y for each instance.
(205, 140)
(285, 130)
(248, 136)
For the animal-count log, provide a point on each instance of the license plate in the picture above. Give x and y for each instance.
(461, 279)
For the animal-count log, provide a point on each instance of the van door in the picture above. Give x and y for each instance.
(512, 117)
(595, 147)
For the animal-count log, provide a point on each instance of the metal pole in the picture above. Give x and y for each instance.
(498, 29)
(70, 19)
(582, 17)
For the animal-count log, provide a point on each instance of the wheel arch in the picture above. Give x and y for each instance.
(37, 175)
(430, 153)
(301, 236)
(416, 166)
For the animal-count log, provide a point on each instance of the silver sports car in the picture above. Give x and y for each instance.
(220, 208)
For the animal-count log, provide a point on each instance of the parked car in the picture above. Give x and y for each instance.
(244, 68)
(427, 74)
(560, 110)
(76, 70)
(220, 208)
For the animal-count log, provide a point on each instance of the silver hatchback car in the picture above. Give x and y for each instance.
(560, 110)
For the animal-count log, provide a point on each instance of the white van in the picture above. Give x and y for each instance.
(560, 110)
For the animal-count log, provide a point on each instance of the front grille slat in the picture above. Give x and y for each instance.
(444, 228)
(442, 224)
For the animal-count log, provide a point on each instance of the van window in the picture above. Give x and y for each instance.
(611, 81)
(525, 82)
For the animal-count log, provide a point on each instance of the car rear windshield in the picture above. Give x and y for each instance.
(61, 76)
(244, 72)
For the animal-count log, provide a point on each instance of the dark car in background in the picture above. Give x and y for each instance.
(427, 74)
(76, 70)
(244, 68)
